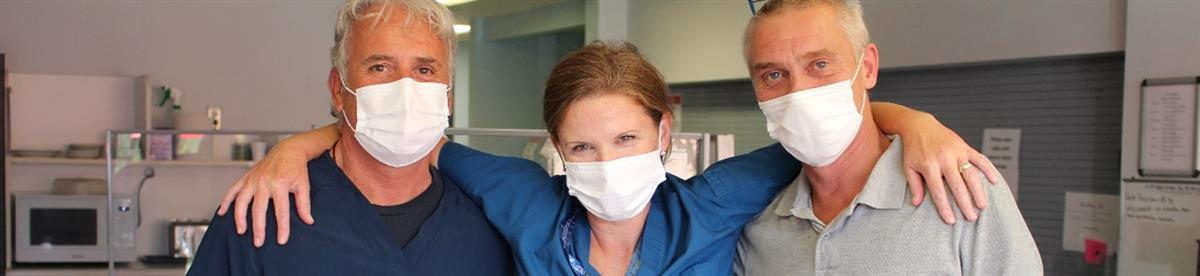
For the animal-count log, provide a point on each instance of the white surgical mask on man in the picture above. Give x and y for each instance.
(816, 125)
(400, 122)
(616, 190)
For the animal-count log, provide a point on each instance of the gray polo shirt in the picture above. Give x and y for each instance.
(881, 233)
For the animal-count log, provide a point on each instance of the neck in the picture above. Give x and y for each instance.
(381, 184)
(834, 186)
(613, 242)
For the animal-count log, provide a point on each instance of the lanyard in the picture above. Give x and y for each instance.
(566, 236)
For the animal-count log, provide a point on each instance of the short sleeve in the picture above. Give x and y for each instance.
(224, 252)
(511, 190)
(999, 242)
(743, 185)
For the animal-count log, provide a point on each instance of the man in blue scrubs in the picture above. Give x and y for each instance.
(385, 209)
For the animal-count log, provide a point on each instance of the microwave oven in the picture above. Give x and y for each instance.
(71, 229)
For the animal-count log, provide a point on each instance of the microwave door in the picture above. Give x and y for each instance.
(63, 227)
(60, 229)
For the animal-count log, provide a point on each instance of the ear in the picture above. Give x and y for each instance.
(871, 65)
(334, 82)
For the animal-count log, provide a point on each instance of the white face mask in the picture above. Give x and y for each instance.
(816, 125)
(400, 122)
(617, 189)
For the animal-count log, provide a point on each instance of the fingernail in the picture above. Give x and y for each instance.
(258, 242)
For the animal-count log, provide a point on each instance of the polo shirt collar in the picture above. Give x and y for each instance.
(886, 187)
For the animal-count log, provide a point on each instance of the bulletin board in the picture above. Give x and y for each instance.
(1160, 207)
(1168, 128)
(1160, 229)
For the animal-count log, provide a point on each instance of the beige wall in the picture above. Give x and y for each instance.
(264, 62)
(700, 40)
(1163, 40)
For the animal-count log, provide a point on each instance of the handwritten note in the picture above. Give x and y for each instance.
(1173, 204)
(1088, 216)
(1003, 147)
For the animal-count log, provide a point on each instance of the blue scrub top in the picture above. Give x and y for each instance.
(692, 228)
(351, 238)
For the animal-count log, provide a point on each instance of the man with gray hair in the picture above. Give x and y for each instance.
(385, 209)
(811, 63)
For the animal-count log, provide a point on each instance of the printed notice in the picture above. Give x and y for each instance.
(1003, 147)
(1172, 204)
(1168, 130)
(1090, 216)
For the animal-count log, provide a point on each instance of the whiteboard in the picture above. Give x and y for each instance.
(1168, 129)
(1160, 227)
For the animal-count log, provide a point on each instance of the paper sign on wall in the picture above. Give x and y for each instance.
(1168, 130)
(1003, 147)
(1088, 216)
(1163, 204)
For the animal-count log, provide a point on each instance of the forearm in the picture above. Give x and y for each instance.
(312, 143)
(897, 119)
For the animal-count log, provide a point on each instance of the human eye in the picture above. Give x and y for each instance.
(772, 77)
(378, 68)
(626, 138)
(580, 148)
(425, 70)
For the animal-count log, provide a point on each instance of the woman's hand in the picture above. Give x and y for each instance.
(935, 157)
(284, 170)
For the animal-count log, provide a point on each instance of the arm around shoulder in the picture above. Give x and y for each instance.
(510, 190)
(743, 185)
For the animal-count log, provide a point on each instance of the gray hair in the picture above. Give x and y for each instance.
(850, 12)
(438, 17)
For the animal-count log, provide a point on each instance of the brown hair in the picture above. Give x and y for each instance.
(603, 67)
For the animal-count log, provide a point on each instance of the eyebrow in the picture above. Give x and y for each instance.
(626, 132)
(764, 65)
(805, 56)
(428, 60)
(377, 57)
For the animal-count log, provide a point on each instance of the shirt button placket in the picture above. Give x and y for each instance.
(828, 248)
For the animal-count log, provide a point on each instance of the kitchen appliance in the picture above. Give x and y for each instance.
(71, 229)
(185, 237)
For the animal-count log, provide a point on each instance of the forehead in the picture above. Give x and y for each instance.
(391, 27)
(798, 29)
(604, 111)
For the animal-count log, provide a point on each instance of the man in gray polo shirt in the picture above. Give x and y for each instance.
(811, 62)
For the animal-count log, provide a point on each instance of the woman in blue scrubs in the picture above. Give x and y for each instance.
(616, 211)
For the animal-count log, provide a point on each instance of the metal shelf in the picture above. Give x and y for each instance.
(100, 162)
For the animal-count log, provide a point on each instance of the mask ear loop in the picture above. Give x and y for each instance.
(351, 91)
(663, 155)
(855, 77)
